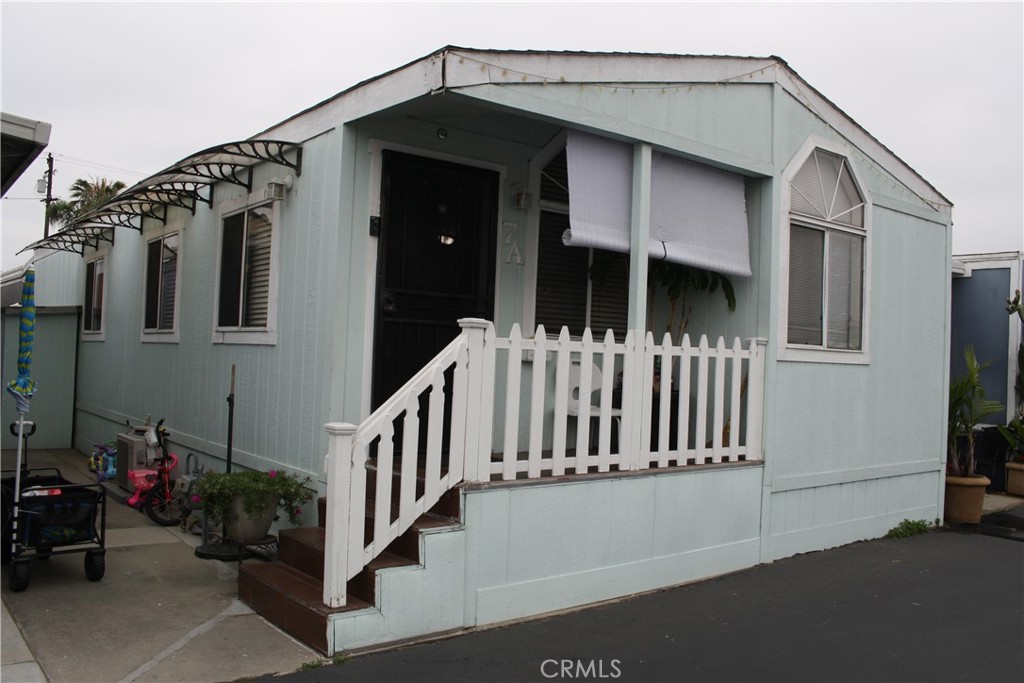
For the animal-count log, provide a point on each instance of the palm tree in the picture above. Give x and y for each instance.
(85, 195)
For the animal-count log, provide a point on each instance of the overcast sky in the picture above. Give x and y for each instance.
(132, 87)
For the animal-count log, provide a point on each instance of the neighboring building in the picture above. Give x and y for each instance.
(982, 285)
(22, 141)
(329, 258)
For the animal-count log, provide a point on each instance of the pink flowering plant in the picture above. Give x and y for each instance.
(216, 490)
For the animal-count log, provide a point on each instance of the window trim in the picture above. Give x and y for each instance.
(173, 335)
(242, 335)
(100, 334)
(821, 354)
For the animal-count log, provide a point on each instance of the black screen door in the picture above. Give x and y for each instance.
(435, 261)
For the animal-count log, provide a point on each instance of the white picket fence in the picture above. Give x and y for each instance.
(464, 420)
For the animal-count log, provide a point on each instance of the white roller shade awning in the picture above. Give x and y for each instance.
(698, 216)
(600, 192)
(698, 213)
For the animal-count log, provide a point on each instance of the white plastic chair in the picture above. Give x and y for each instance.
(573, 406)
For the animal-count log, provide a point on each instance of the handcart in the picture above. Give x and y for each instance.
(52, 516)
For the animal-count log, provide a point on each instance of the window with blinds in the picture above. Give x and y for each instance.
(826, 256)
(245, 269)
(567, 294)
(92, 318)
(161, 283)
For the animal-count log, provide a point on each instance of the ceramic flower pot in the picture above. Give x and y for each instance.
(244, 528)
(965, 498)
(1015, 478)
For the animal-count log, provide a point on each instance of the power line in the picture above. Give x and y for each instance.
(75, 161)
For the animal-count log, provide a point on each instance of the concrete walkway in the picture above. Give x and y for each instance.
(159, 614)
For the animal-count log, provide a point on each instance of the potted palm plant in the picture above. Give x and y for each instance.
(965, 489)
(248, 502)
(1013, 432)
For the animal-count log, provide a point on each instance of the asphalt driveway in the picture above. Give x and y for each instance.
(943, 606)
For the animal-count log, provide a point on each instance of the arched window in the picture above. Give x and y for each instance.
(826, 256)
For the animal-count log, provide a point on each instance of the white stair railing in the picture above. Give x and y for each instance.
(656, 405)
(396, 506)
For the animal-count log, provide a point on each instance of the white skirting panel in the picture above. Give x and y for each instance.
(542, 548)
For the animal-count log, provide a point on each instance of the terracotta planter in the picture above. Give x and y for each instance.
(244, 528)
(1015, 478)
(965, 498)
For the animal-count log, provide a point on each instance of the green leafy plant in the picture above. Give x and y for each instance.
(967, 407)
(1013, 432)
(908, 528)
(677, 281)
(310, 666)
(216, 490)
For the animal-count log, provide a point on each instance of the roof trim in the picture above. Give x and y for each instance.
(183, 184)
(454, 68)
(25, 140)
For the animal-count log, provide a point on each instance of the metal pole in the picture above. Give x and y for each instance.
(15, 509)
(231, 417)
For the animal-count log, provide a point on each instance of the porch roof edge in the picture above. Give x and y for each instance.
(454, 67)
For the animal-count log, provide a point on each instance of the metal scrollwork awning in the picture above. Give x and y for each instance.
(184, 184)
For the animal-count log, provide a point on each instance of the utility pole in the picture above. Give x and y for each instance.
(49, 195)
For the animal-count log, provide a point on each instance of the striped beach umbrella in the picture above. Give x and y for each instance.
(23, 388)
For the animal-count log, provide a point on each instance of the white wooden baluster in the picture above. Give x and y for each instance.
(382, 492)
(512, 384)
(604, 437)
(719, 408)
(629, 440)
(665, 400)
(646, 416)
(561, 403)
(685, 359)
(435, 432)
(538, 387)
(339, 472)
(702, 398)
(585, 391)
(410, 454)
(736, 375)
(357, 508)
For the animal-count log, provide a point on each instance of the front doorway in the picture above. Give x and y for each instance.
(435, 261)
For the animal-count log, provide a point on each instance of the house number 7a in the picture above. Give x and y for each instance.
(512, 254)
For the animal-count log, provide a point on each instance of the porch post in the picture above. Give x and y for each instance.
(339, 494)
(755, 398)
(639, 234)
(474, 329)
(640, 230)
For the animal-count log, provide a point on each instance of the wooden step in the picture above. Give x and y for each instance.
(303, 549)
(364, 584)
(289, 591)
(290, 599)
